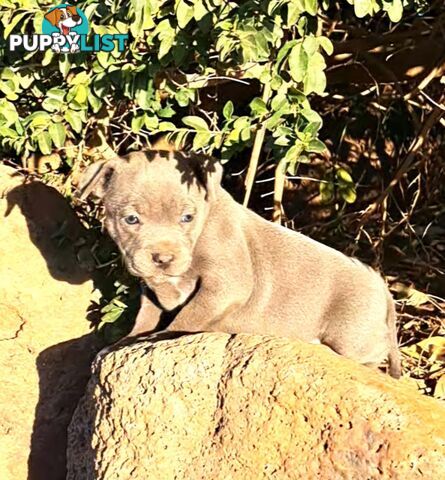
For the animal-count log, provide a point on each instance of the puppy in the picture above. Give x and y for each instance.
(220, 267)
(64, 18)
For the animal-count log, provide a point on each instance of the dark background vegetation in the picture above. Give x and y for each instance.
(328, 115)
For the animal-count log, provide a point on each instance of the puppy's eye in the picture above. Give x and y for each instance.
(187, 218)
(131, 219)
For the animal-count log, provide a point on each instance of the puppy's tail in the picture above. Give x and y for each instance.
(395, 367)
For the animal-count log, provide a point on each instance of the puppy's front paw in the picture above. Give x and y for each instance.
(55, 48)
(74, 48)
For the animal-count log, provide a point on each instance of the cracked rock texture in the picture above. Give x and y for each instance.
(216, 406)
(44, 346)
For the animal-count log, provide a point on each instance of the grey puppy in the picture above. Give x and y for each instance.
(220, 267)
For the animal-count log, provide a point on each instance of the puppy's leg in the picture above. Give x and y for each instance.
(148, 317)
(209, 312)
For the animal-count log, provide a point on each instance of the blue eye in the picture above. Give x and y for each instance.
(131, 219)
(186, 218)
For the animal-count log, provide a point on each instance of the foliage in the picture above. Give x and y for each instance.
(177, 50)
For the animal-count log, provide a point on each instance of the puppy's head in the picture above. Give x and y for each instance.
(156, 205)
(64, 18)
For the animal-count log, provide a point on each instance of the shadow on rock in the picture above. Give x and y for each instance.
(55, 230)
(64, 370)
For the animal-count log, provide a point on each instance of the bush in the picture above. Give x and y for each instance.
(178, 52)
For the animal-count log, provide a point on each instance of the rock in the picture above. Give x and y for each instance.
(217, 406)
(45, 340)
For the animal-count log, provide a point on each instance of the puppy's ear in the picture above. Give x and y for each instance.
(209, 172)
(95, 179)
(72, 10)
(53, 16)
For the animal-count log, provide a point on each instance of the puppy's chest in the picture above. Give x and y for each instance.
(174, 292)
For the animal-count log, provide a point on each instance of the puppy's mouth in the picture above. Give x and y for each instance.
(161, 278)
(65, 30)
(157, 274)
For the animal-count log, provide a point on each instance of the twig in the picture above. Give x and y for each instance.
(256, 151)
(280, 177)
(407, 163)
(435, 72)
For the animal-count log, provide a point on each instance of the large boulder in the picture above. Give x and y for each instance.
(45, 341)
(217, 406)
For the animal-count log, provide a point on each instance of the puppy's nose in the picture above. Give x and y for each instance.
(162, 259)
(76, 18)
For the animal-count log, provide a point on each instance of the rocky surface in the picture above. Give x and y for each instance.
(45, 346)
(216, 406)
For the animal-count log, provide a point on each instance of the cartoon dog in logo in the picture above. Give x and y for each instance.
(64, 18)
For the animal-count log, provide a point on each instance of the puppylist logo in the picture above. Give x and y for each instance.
(65, 30)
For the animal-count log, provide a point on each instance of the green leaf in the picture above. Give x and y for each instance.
(315, 80)
(258, 107)
(167, 127)
(8, 132)
(184, 13)
(95, 102)
(74, 119)
(343, 176)
(278, 102)
(47, 57)
(112, 315)
(64, 65)
(362, 8)
(311, 6)
(52, 104)
(201, 140)
(56, 93)
(81, 78)
(394, 9)
(294, 10)
(316, 146)
(200, 10)
(298, 63)
(15, 20)
(167, 37)
(311, 115)
(282, 141)
(45, 143)
(245, 134)
(104, 59)
(137, 123)
(348, 194)
(136, 24)
(312, 128)
(228, 110)
(292, 167)
(166, 112)
(8, 113)
(294, 152)
(58, 134)
(326, 45)
(37, 119)
(284, 50)
(198, 123)
(81, 94)
(310, 45)
(151, 122)
(326, 191)
(183, 97)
